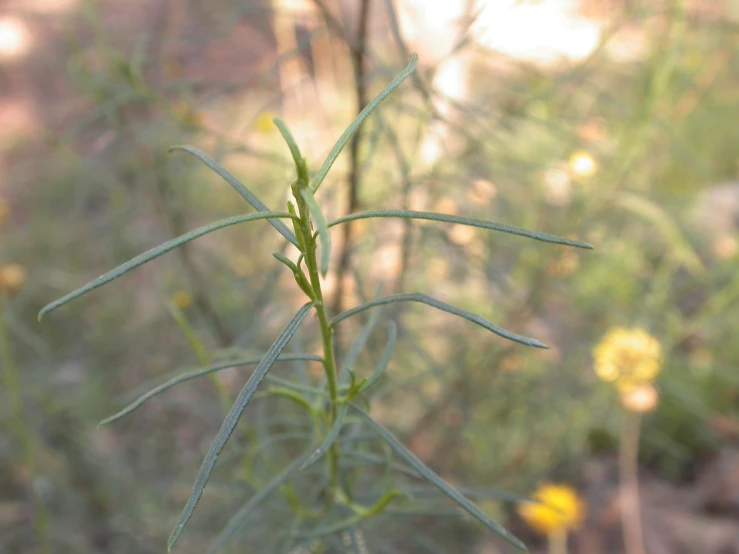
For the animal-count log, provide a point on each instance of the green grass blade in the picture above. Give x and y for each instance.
(323, 233)
(331, 437)
(229, 424)
(190, 375)
(238, 187)
(410, 214)
(155, 253)
(385, 360)
(444, 307)
(364, 114)
(428, 474)
(237, 520)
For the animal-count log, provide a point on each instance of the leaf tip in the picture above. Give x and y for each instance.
(43, 311)
(173, 538)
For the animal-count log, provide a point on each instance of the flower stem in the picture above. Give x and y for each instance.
(557, 541)
(628, 469)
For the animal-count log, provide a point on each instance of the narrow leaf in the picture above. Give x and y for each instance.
(237, 520)
(329, 440)
(444, 307)
(189, 375)
(428, 474)
(229, 424)
(238, 187)
(323, 233)
(291, 144)
(364, 114)
(382, 364)
(155, 253)
(410, 214)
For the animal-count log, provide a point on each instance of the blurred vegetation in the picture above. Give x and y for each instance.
(635, 154)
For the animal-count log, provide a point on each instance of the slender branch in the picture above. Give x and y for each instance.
(628, 466)
(352, 191)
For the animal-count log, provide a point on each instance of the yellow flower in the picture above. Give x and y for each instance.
(559, 509)
(12, 278)
(263, 124)
(182, 299)
(628, 357)
(582, 164)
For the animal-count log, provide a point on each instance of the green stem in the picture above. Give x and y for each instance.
(306, 237)
(21, 428)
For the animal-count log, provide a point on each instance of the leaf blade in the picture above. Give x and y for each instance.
(444, 307)
(364, 114)
(155, 252)
(229, 423)
(245, 193)
(447, 218)
(428, 474)
(194, 374)
(323, 233)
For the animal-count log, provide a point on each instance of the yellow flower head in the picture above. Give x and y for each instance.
(264, 124)
(628, 357)
(12, 278)
(559, 509)
(582, 164)
(182, 299)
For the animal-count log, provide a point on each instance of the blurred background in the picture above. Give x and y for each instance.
(610, 121)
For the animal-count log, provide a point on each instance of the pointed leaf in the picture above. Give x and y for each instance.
(410, 214)
(323, 233)
(229, 424)
(291, 144)
(238, 187)
(444, 307)
(364, 114)
(155, 253)
(189, 375)
(428, 474)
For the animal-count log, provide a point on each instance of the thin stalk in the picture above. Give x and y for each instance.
(557, 540)
(628, 470)
(303, 228)
(358, 57)
(22, 429)
(329, 365)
